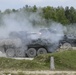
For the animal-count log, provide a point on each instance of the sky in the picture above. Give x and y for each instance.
(16, 4)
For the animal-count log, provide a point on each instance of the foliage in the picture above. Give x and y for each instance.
(62, 15)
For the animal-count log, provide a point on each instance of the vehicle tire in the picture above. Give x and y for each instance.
(66, 46)
(10, 52)
(20, 53)
(41, 51)
(31, 52)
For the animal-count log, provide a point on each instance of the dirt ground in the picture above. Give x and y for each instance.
(38, 72)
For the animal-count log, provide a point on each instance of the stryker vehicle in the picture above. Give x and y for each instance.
(25, 44)
(68, 42)
(22, 44)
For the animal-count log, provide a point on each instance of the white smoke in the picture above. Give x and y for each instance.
(53, 35)
(31, 22)
(50, 33)
(58, 32)
(71, 31)
(13, 24)
(19, 21)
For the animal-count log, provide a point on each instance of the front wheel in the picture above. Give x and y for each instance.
(10, 52)
(41, 51)
(31, 52)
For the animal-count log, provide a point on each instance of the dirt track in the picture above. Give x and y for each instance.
(40, 72)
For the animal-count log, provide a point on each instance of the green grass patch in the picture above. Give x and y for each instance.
(65, 60)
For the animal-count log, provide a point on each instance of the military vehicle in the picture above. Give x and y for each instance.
(22, 44)
(68, 42)
(25, 44)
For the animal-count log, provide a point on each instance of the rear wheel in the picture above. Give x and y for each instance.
(41, 51)
(10, 52)
(31, 52)
(66, 46)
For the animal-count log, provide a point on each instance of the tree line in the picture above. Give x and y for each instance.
(59, 14)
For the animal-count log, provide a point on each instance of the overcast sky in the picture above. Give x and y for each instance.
(10, 4)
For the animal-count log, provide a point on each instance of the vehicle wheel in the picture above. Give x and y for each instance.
(66, 46)
(31, 52)
(41, 51)
(20, 53)
(10, 52)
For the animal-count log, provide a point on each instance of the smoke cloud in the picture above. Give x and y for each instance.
(71, 31)
(32, 22)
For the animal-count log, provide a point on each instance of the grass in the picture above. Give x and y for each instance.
(65, 60)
